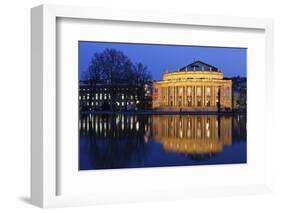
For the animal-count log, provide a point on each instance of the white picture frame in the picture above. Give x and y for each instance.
(44, 154)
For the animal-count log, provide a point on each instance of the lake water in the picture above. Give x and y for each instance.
(137, 141)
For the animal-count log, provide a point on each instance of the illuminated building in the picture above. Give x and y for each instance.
(195, 87)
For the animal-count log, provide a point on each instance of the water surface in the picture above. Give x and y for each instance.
(135, 141)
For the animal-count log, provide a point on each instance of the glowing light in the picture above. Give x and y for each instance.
(181, 133)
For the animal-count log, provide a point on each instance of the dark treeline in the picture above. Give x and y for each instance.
(114, 67)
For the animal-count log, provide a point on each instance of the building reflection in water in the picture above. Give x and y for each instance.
(113, 141)
(115, 126)
(199, 134)
(131, 141)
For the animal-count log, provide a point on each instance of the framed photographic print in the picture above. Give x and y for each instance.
(137, 114)
(149, 106)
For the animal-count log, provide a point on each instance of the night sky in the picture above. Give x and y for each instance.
(158, 58)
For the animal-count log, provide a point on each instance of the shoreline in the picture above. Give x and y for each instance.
(151, 112)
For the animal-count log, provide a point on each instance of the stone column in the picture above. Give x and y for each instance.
(183, 95)
(177, 96)
(213, 96)
(192, 96)
(174, 96)
(160, 95)
(195, 96)
(167, 96)
(203, 96)
(170, 94)
(186, 95)
(164, 96)
(222, 95)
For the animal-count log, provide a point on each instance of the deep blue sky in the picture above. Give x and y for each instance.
(158, 58)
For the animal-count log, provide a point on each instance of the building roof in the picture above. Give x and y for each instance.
(199, 66)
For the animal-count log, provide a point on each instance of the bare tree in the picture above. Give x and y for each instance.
(113, 67)
(141, 73)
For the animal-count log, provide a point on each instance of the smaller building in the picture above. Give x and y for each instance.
(239, 93)
(113, 97)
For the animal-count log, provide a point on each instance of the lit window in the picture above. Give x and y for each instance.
(217, 91)
(208, 91)
(180, 91)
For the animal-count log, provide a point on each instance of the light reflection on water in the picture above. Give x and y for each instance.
(133, 141)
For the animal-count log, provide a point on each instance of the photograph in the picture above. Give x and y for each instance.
(161, 105)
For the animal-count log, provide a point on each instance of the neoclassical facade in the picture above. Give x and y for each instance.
(195, 87)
